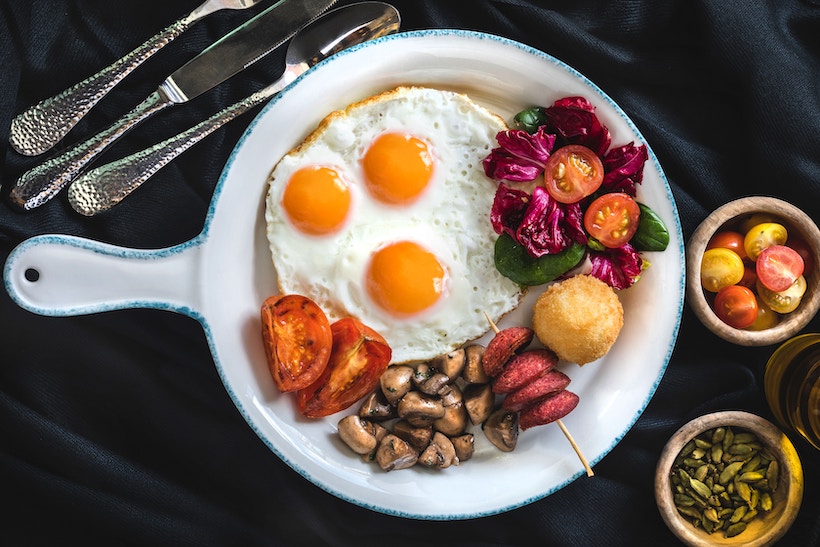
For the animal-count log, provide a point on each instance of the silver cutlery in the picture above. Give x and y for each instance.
(228, 56)
(101, 188)
(40, 127)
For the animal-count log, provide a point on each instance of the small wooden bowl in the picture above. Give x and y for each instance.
(733, 212)
(767, 527)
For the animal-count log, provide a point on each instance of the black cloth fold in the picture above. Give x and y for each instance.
(115, 428)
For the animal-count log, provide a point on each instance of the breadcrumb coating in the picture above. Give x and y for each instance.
(578, 318)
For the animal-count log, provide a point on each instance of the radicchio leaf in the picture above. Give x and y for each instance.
(619, 268)
(574, 119)
(509, 208)
(548, 226)
(520, 156)
(623, 168)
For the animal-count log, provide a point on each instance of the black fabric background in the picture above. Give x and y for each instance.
(115, 428)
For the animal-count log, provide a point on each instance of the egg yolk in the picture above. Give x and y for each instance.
(397, 168)
(404, 278)
(316, 200)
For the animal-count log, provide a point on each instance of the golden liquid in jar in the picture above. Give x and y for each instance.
(792, 386)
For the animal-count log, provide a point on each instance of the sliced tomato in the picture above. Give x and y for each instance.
(297, 338)
(720, 268)
(612, 219)
(728, 239)
(736, 306)
(778, 267)
(783, 301)
(573, 172)
(359, 357)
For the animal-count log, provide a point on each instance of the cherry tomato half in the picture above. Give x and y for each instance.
(297, 338)
(783, 301)
(728, 239)
(736, 306)
(573, 172)
(778, 267)
(720, 268)
(612, 219)
(359, 357)
(764, 235)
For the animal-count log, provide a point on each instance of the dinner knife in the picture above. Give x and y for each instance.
(225, 58)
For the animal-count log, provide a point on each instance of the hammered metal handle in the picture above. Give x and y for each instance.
(45, 181)
(102, 188)
(39, 128)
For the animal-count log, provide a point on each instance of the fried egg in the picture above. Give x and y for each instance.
(382, 213)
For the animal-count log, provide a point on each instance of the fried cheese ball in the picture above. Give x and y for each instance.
(578, 318)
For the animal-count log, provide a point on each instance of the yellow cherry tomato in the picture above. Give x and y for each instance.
(763, 235)
(783, 301)
(766, 318)
(753, 220)
(720, 268)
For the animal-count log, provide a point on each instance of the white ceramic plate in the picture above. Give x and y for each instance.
(222, 276)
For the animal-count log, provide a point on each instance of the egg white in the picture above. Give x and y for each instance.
(450, 218)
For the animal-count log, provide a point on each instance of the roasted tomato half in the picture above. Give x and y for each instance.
(297, 338)
(573, 172)
(359, 357)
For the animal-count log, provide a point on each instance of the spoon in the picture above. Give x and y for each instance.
(39, 128)
(100, 189)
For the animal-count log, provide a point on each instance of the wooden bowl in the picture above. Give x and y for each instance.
(767, 527)
(797, 222)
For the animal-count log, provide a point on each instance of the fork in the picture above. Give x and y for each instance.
(43, 125)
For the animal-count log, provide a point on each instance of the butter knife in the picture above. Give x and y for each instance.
(225, 58)
(101, 188)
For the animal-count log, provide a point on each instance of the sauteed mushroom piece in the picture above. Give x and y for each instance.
(479, 400)
(473, 372)
(417, 437)
(375, 407)
(440, 453)
(395, 453)
(396, 381)
(454, 421)
(501, 429)
(420, 409)
(451, 364)
(360, 435)
(464, 446)
(428, 380)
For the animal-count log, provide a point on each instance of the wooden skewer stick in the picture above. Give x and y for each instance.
(590, 472)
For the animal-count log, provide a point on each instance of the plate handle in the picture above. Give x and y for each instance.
(64, 275)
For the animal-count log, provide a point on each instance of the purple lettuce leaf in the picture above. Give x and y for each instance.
(619, 268)
(508, 210)
(623, 168)
(519, 157)
(548, 226)
(574, 119)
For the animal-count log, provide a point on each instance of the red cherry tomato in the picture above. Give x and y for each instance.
(612, 219)
(749, 278)
(359, 357)
(573, 172)
(297, 339)
(736, 306)
(799, 244)
(778, 267)
(728, 239)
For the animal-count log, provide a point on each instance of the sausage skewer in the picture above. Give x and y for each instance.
(561, 425)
